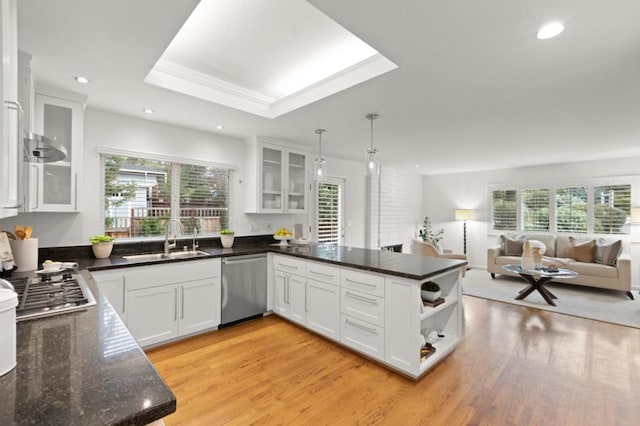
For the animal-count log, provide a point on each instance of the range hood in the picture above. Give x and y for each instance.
(41, 149)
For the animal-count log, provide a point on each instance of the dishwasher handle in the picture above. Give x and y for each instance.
(243, 259)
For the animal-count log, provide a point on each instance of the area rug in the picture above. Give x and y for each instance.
(587, 302)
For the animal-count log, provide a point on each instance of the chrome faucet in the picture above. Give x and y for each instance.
(194, 244)
(167, 225)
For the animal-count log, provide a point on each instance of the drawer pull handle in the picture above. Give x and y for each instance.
(362, 327)
(366, 299)
(282, 265)
(321, 274)
(359, 282)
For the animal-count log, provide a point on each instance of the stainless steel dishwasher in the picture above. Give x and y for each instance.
(244, 287)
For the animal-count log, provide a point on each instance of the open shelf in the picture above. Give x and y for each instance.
(429, 311)
(443, 348)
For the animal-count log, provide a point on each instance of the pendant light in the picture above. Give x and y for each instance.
(320, 164)
(372, 166)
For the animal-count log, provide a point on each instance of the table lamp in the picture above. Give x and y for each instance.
(464, 215)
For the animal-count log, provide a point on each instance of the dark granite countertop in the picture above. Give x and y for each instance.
(385, 262)
(82, 368)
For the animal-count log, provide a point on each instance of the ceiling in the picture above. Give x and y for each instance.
(474, 89)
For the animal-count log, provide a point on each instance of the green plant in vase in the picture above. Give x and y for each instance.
(102, 245)
(227, 237)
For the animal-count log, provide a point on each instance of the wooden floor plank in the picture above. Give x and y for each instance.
(515, 366)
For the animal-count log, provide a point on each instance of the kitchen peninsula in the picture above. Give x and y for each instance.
(85, 367)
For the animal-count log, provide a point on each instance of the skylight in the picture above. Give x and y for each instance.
(264, 57)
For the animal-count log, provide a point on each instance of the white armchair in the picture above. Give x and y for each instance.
(427, 249)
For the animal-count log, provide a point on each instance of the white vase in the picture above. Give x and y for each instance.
(227, 240)
(102, 250)
(430, 296)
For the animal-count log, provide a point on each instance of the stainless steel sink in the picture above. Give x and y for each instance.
(162, 256)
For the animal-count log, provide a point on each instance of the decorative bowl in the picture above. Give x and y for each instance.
(283, 240)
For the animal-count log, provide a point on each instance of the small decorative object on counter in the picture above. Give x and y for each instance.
(101, 245)
(430, 291)
(227, 237)
(283, 234)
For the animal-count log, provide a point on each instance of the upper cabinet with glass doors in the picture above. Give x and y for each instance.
(281, 180)
(56, 186)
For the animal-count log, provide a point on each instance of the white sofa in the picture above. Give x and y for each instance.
(591, 274)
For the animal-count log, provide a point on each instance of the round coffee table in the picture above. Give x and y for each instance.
(537, 278)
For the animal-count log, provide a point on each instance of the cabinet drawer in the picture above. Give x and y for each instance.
(323, 272)
(362, 336)
(362, 281)
(289, 264)
(362, 306)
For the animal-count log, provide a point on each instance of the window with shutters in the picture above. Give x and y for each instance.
(571, 209)
(612, 209)
(142, 194)
(593, 208)
(504, 210)
(535, 209)
(329, 212)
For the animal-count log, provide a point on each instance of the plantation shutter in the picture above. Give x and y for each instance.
(328, 213)
(504, 210)
(535, 209)
(571, 209)
(612, 209)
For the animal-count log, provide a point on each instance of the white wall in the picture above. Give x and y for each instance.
(443, 194)
(109, 130)
(399, 193)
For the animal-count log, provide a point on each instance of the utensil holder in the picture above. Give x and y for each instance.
(25, 254)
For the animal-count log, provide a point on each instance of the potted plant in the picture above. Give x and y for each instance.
(101, 245)
(430, 291)
(226, 238)
(427, 234)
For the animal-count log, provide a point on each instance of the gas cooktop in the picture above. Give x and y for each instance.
(51, 294)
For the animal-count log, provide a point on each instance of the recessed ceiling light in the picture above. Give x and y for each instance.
(417, 166)
(219, 127)
(550, 30)
(82, 80)
(148, 111)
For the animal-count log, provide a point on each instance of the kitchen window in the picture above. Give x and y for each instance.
(141, 194)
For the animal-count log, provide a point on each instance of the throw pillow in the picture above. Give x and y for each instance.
(582, 252)
(511, 246)
(607, 251)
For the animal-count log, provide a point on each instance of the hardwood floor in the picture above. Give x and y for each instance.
(515, 366)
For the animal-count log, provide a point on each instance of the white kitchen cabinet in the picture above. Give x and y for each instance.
(290, 288)
(323, 308)
(165, 301)
(407, 318)
(277, 179)
(10, 119)
(290, 296)
(57, 186)
(196, 310)
(113, 284)
(152, 314)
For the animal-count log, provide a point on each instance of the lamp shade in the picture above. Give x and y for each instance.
(464, 214)
(635, 215)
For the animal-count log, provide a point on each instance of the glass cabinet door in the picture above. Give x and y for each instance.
(271, 179)
(297, 182)
(54, 187)
(57, 179)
